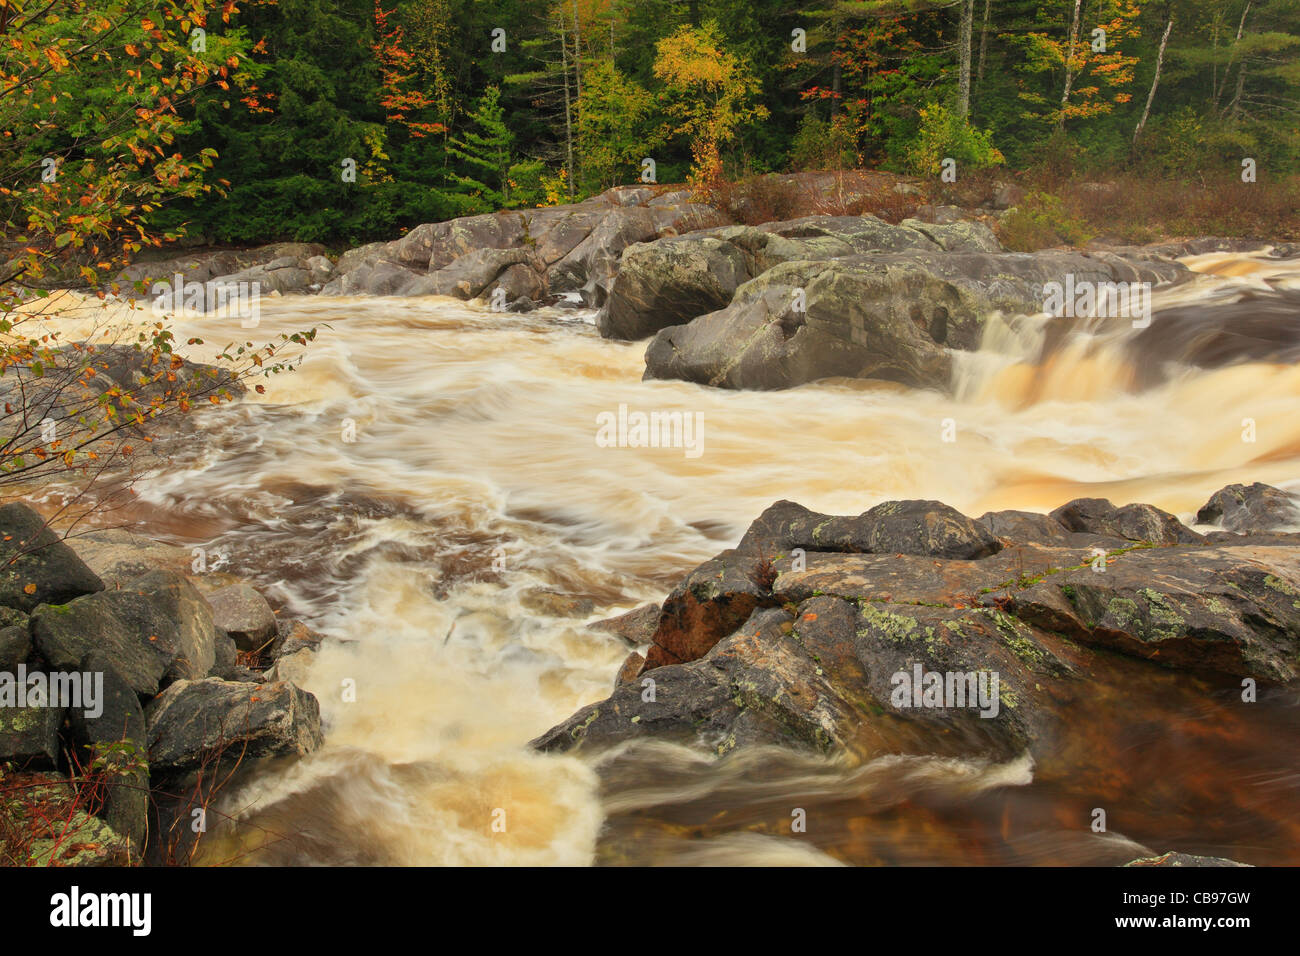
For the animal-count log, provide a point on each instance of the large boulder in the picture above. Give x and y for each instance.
(671, 281)
(36, 566)
(195, 721)
(1250, 508)
(827, 633)
(243, 614)
(889, 315)
(156, 630)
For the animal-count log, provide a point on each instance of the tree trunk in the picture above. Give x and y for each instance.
(1069, 63)
(963, 58)
(984, 36)
(1155, 80)
(577, 52)
(568, 109)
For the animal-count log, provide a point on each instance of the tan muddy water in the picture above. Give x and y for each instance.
(459, 543)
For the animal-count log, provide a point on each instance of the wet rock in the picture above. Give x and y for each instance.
(636, 627)
(803, 634)
(1183, 859)
(36, 567)
(1234, 610)
(889, 315)
(1250, 508)
(663, 283)
(244, 615)
(629, 670)
(193, 720)
(1132, 522)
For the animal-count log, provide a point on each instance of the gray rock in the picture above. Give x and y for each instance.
(890, 316)
(157, 630)
(126, 800)
(29, 735)
(36, 567)
(663, 283)
(15, 647)
(193, 720)
(244, 615)
(1250, 508)
(636, 627)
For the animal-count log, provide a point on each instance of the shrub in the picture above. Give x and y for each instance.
(943, 135)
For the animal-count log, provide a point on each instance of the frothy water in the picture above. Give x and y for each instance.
(455, 548)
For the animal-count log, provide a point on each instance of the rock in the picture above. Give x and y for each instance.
(36, 567)
(29, 735)
(1024, 526)
(294, 666)
(472, 273)
(15, 646)
(555, 604)
(320, 269)
(194, 720)
(719, 595)
(663, 283)
(629, 670)
(83, 841)
(157, 630)
(803, 634)
(887, 315)
(118, 556)
(244, 615)
(1250, 508)
(295, 636)
(1233, 610)
(126, 798)
(353, 258)
(959, 236)
(224, 656)
(636, 627)
(1183, 859)
(1132, 522)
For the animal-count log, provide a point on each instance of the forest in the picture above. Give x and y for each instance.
(350, 120)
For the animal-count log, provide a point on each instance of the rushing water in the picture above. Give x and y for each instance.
(456, 547)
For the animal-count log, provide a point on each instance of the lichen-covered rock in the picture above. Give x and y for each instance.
(29, 735)
(636, 627)
(809, 631)
(36, 566)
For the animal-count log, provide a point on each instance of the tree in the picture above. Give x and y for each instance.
(615, 124)
(709, 94)
(485, 150)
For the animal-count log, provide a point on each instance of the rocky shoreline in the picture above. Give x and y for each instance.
(797, 637)
(178, 679)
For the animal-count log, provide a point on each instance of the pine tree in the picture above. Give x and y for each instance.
(484, 150)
